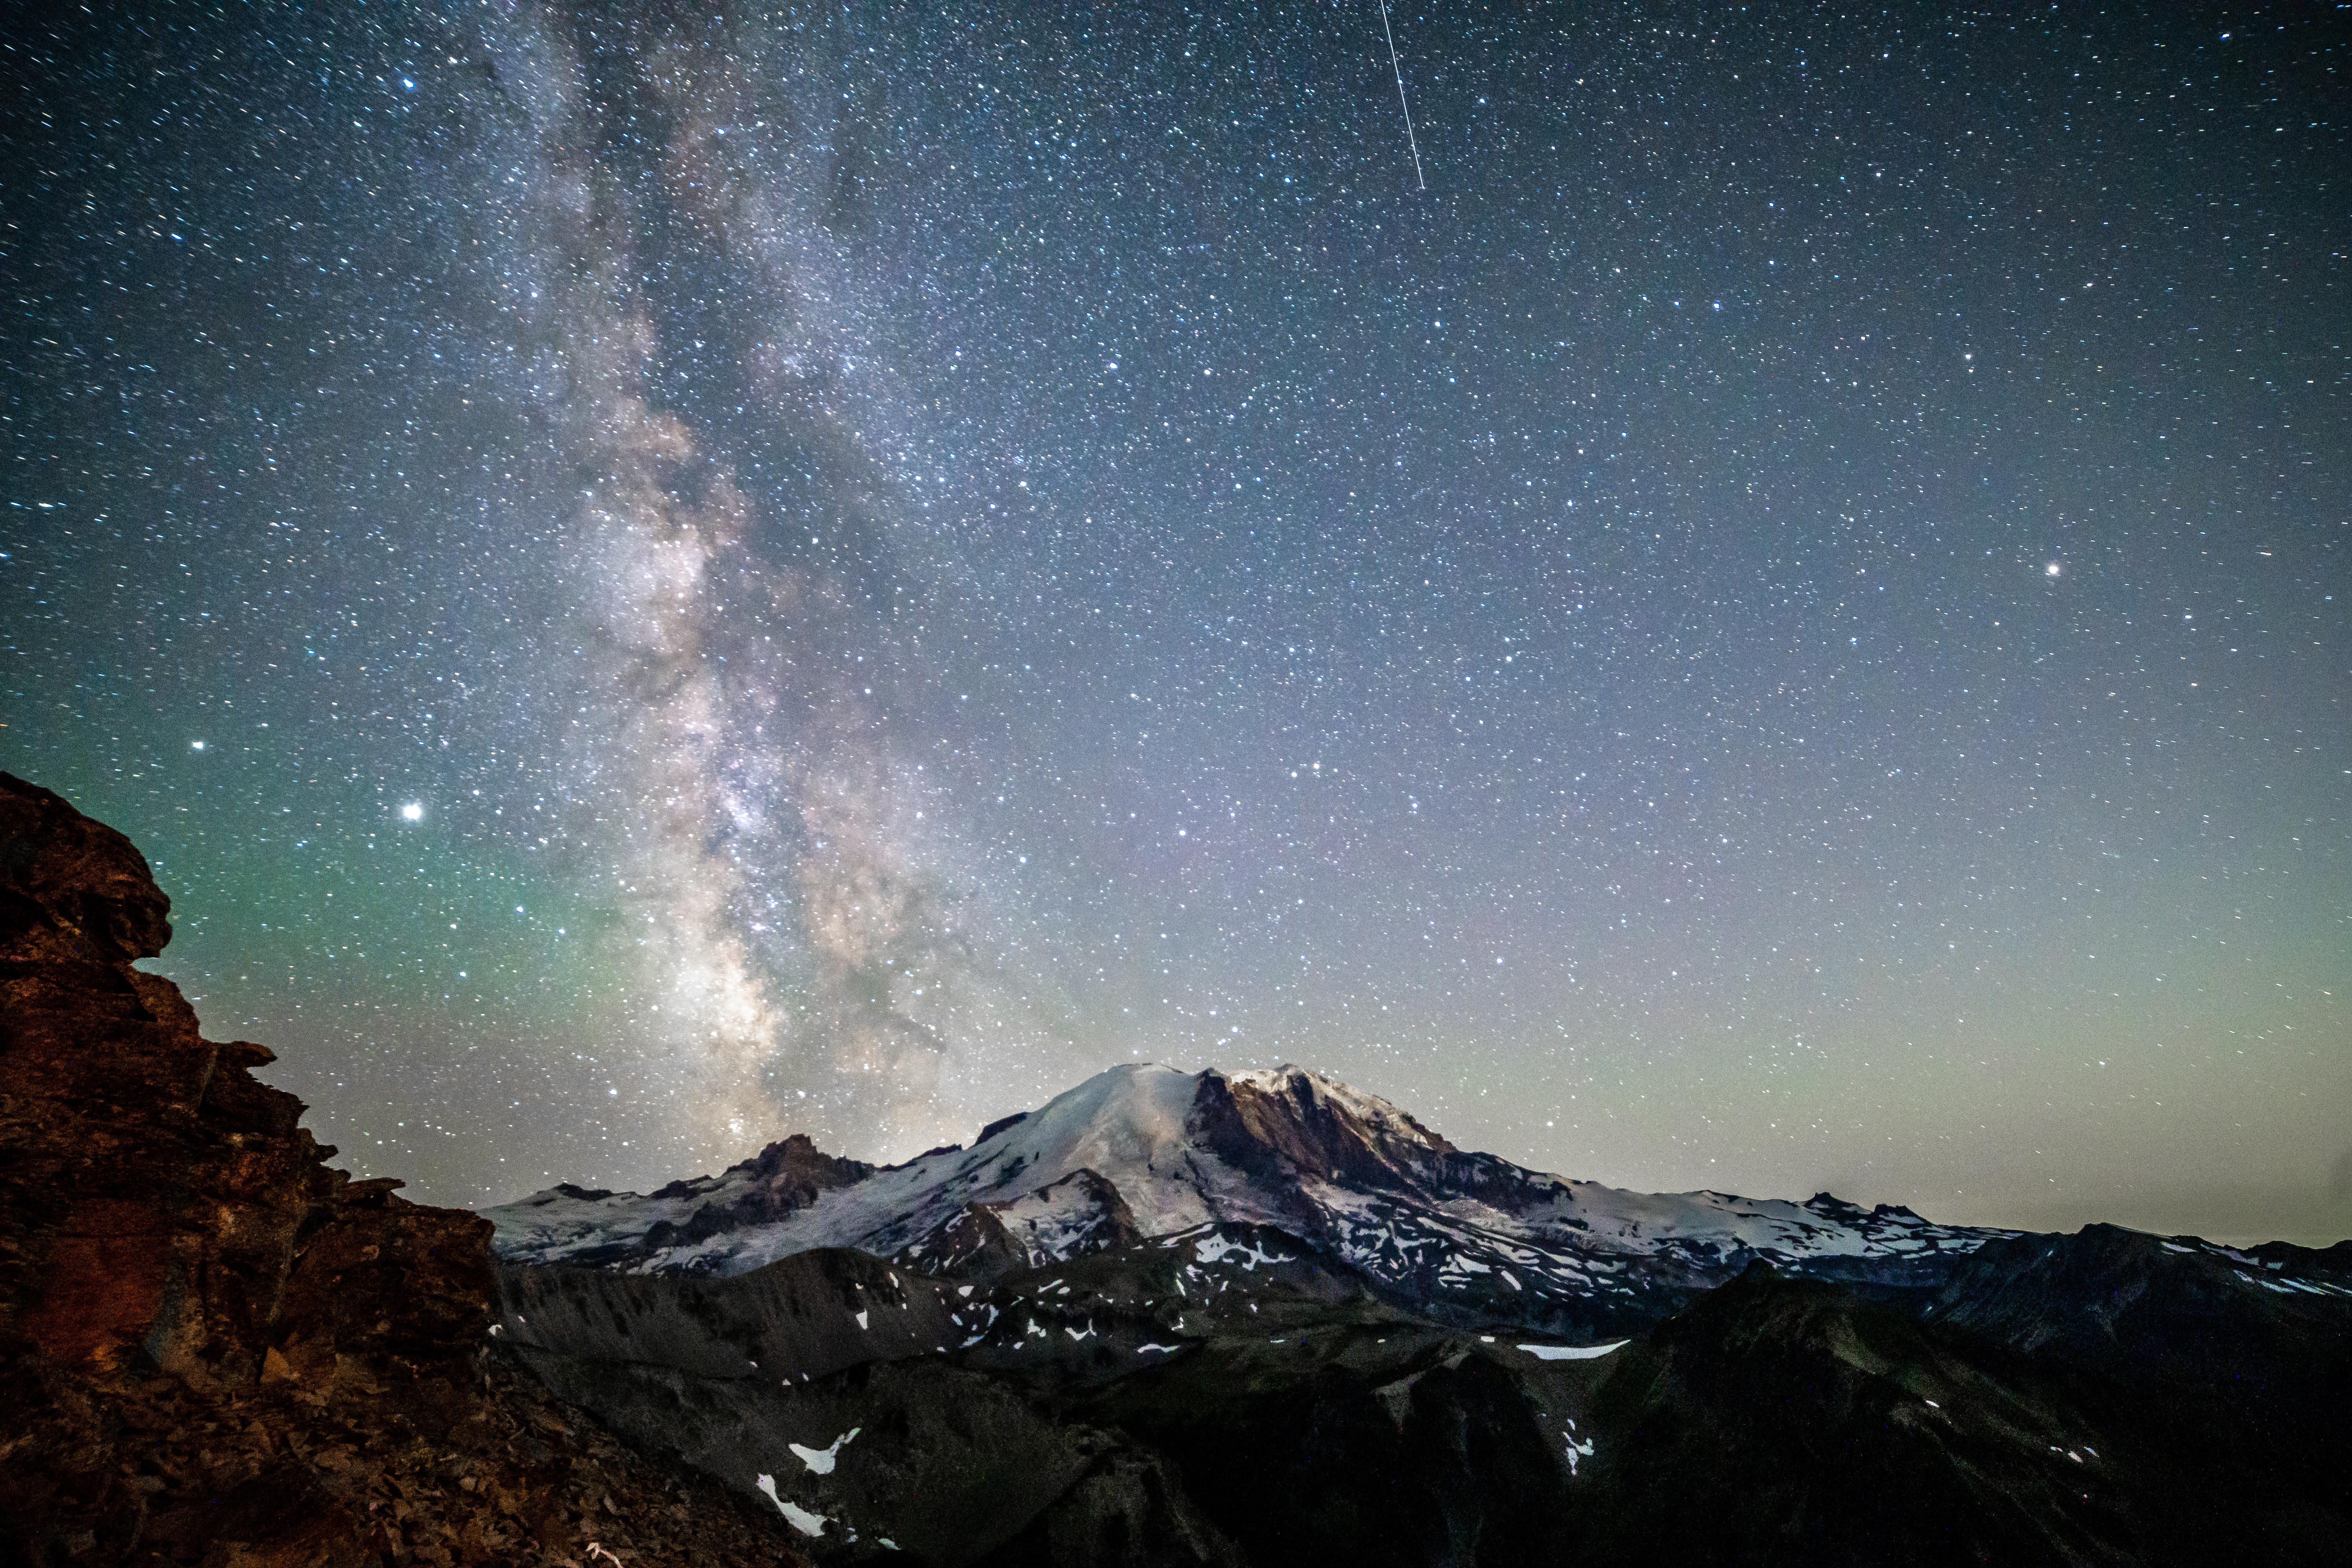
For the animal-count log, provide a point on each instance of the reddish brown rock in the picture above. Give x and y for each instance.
(216, 1349)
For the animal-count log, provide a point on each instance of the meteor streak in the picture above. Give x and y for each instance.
(1397, 65)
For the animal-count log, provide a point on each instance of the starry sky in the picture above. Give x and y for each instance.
(650, 577)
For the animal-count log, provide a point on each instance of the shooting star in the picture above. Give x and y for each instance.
(1397, 65)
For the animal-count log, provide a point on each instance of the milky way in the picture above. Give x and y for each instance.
(784, 907)
(655, 577)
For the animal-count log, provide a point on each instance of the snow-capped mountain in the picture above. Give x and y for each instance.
(1146, 1150)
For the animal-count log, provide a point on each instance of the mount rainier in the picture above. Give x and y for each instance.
(1146, 1150)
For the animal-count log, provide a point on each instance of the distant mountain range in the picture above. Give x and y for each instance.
(1262, 1318)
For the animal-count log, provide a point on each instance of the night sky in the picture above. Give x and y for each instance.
(649, 581)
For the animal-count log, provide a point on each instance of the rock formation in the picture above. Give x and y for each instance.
(213, 1347)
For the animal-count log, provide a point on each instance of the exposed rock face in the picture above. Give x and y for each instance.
(1288, 1124)
(1083, 1212)
(784, 1178)
(213, 1347)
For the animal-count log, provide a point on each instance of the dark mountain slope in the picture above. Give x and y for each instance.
(1223, 1396)
(1788, 1421)
(2138, 1306)
(2251, 1348)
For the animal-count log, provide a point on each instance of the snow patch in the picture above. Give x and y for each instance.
(821, 1461)
(800, 1518)
(1216, 1248)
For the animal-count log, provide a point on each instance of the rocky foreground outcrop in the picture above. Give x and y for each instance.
(216, 1349)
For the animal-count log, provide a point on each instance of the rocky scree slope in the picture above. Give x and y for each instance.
(216, 1349)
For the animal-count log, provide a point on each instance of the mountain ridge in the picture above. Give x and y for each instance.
(1156, 1151)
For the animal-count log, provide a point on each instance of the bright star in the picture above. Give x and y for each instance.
(412, 812)
(2051, 570)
